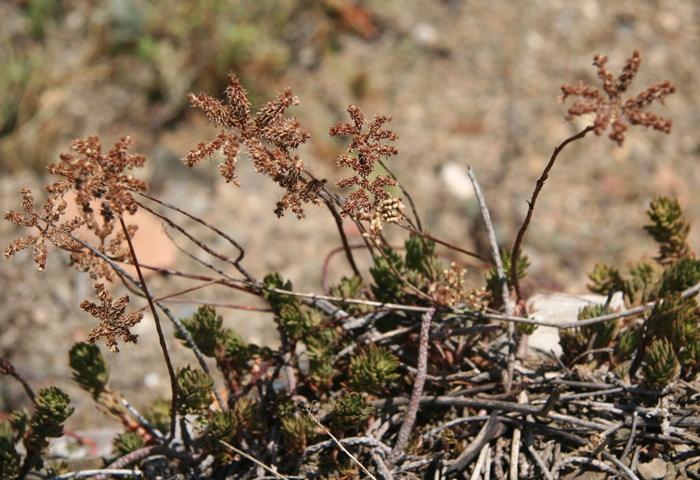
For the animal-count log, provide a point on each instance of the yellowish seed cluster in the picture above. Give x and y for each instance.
(478, 299)
(386, 211)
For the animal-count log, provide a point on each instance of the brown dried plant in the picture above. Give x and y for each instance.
(53, 229)
(328, 327)
(102, 178)
(613, 115)
(117, 250)
(93, 178)
(113, 322)
(370, 149)
(240, 130)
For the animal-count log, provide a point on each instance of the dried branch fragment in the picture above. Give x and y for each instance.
(269, 126)
(613, 115)
(113, 322)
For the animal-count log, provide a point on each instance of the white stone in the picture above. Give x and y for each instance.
(561, 308)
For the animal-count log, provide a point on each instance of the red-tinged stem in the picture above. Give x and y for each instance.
(531, 209)
(161, 336)
(202, 245)
(450, 246)
(343, 238)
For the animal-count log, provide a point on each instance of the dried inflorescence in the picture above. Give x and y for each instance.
(269, 126)
(451, 289)
(113, 321)
(54, 208)
(613, 115)
(95, 177)
(370, 150)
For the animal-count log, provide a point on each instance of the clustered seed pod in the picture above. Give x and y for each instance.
(386, 211)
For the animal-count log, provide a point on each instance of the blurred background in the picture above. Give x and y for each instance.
(467, 83)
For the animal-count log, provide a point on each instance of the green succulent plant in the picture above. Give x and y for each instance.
(604, 278)
(690, 356)
(9, 458)
(627, 344)
(370, 370)
(675, 318)
(573, 342)
(679, 276)
(195, 390)
(297, 432)
(662, 364)
(128, 442)
(206, 330)
(90, 370)
(605, 332)
(669, 228)
(351, 410)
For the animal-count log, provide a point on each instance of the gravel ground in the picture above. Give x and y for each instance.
(467, 83)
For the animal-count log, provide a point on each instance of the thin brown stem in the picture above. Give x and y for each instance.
(449, 245)
(161, 336)
(200, 244)
(168, 313)
(327, 261)
(343, 238)
(6, 368)
(202, 222)
(531, 209)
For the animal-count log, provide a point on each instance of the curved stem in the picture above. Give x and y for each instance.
(343, 237)
(327, 261)
(448, 245)
(199, 243)
(405, 192)
(531, 208)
